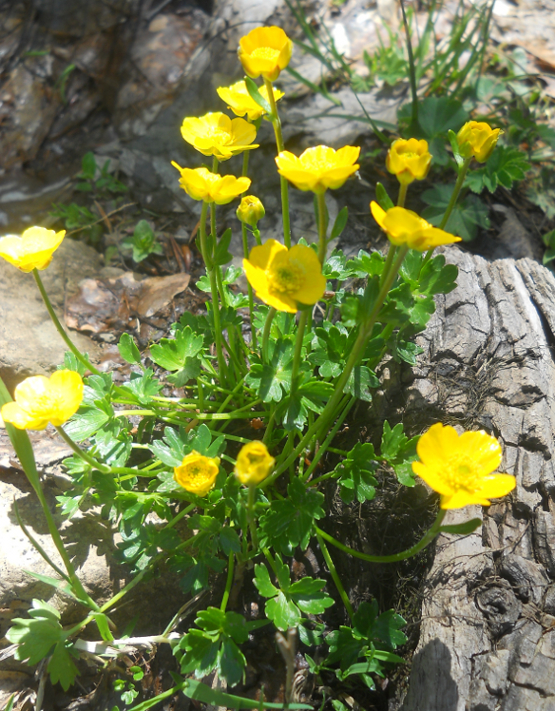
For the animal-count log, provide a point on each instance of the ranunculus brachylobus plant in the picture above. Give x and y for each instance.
(246, 499)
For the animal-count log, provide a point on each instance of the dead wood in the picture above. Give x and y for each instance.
(487, 640)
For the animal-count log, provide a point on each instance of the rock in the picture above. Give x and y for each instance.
(29, 342)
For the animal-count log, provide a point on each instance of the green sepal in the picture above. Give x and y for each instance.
(382, 198)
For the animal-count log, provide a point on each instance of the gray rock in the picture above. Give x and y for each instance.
(29, 342)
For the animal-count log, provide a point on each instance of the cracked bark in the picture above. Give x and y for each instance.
(487, 639)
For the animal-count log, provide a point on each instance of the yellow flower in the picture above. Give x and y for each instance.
(197, 473)
(477, 139)
(285, 278)
(266, 51)
(201, 184)
(319, 167)
(409, 160)
(33, 250)
(405, 227)
(40, 400)
(215, 134)
(240, 101)
(254, 463)
(250, 211)
(460, 468)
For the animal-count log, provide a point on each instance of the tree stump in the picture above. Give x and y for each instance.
(487, 639)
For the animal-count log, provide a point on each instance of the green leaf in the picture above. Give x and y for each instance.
(201, 653)
(173, 447)
(340, 223)
(36, 636)
(273, 380)
(289, 522)
(504, 167)
(223, 255)
(439, 114)
(86, 421)
(229, 540)
(144, 386)
(383, 199)
(307, 594)
(201, 692)
(262, 581)
(283, 612)
(463, 528)
(128, 349)
(172, 354)
(61, 667)
(231, 662)
(468, 215)
(143, 242)
(88, 166)
(257, 97)
(361, 382)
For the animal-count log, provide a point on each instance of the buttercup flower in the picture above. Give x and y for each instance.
(40, 400)
(409, 160)
(250, 211)
(266, 51)
(217, 135)
(254, 463)
(460, 468)
(240, 101)
(33, 250)
(201, 184)
(285, 278)
(197, 473)
(477, 139)
(405, 227)
(319, 167)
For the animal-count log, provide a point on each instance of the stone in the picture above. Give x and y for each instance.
(29, 341)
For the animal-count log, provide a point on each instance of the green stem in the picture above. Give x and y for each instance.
(214, 290)
(229, 581)
(322, 227)
(245, 237)
(335, 575)
(356, 353)
(452, 202)
(104, 468)
(298, 350)
(276, 123)
(325, 445)
(396, 557)
(266, 333)
(403, 187)
(251, 515)
(458, 185)
(412, 71)
(179, 516)
(55, 320)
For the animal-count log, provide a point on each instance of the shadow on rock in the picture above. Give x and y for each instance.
(432, 687)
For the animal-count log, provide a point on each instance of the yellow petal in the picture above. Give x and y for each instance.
(66, 387)
(378, 213)
(261, 256)
(437, 445)
(496, 485)
(486, 450)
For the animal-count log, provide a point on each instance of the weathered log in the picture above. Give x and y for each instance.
(487, 639)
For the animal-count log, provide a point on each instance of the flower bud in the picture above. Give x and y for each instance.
(477, 139)
(409, 160)
(254, 463)
(250, 211)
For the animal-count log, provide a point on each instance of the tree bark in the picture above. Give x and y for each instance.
(487, 638)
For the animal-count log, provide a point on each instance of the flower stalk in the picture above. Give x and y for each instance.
(61, 330)
(214, 291)
(284, 186)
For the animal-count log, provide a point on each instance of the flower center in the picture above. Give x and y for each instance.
(460, 473)
(286, 278)
(265, 53)
(219, 136)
